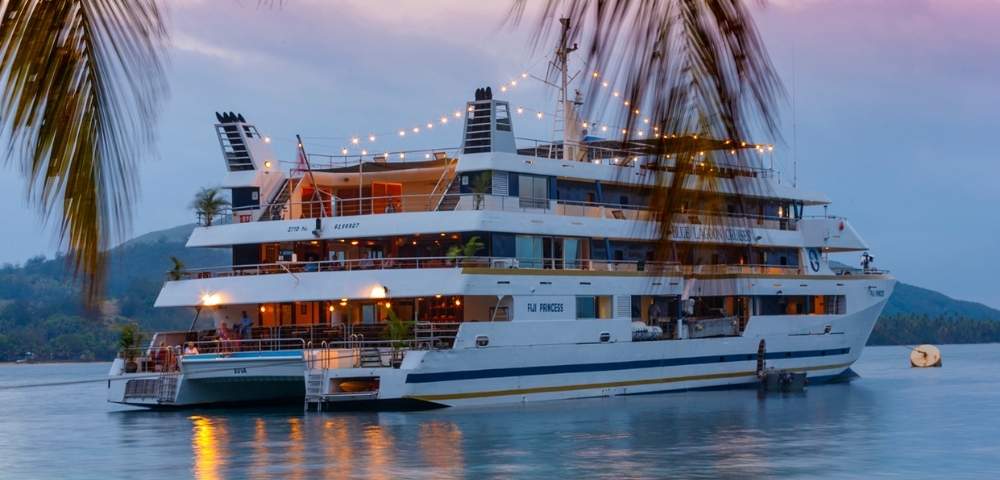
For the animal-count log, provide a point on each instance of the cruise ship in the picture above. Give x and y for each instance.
(501, 271)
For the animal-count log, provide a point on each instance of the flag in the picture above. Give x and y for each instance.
(303, 161)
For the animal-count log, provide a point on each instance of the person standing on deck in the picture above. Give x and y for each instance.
(246, 326)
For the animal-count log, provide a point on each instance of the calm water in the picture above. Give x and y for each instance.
(895, 421)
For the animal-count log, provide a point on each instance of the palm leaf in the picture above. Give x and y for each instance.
(695, 68)
(81, 83)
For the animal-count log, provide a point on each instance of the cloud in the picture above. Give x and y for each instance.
(184, 42)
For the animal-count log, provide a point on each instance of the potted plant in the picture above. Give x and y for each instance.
(481, 185)
(470, 249)
(129, 341)
(208, 203)
(176, 270)
(399, 331)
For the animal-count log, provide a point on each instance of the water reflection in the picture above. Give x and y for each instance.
(209, 442)
(441, 447)
(338, 449)
(702, 434)
(834, 431)
(378, 444)
(296, 448)
(261, 452)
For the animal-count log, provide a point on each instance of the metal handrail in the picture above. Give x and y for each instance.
(148, 358)
(394, 263)
(504, 263)
(629, 156)
(397, 156)
(484, 201)
(219, 345)
(449, 168)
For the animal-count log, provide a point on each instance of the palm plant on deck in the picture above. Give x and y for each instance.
(481, 185)
(176, 271)
(208, 203)
(129, 344)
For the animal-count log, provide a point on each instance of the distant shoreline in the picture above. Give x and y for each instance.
(902, 345)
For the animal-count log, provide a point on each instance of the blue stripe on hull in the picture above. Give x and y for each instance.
(607, 367)
(846, 376)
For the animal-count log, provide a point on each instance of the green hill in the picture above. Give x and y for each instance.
(40, 309)
(913, 300)
(41, 312)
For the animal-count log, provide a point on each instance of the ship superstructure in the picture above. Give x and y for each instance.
(492, 273)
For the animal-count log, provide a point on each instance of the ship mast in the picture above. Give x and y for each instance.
(562, 63)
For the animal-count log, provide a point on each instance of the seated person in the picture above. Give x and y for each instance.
(190, 349)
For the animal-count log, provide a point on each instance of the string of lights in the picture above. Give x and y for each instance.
(356, 144)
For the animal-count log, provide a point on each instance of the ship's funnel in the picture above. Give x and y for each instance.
(235, 136)
(488, 125)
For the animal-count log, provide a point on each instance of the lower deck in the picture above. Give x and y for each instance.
(499, 361)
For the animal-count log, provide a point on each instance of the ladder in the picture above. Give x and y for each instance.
(371, 357)
(166, 391)
(275, 209)
(450, 198)
(443, 185)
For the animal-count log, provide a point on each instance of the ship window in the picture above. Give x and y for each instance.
(800, 305)
(533, 191)
(591, 306)
(586, 307)
(571, 252)
(503, 117)
(529, 251)
(482, 341)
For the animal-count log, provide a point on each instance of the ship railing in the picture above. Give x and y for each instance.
(389, 204)
(226, 347)
(435, 330)
(861, 271)
(150, 359)
(622, 211)
(496, 263)
(353, 353)
(741, 269)
(323, 161)
(826, 216)
(395, 263)
(629, 155)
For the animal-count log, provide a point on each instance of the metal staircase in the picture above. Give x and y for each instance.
(276, 208)
(443, 186)
(451, 197)
(371, 358)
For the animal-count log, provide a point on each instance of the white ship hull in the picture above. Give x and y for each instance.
(512, 374)
(478, 376)
(239, 378)
(495, 274)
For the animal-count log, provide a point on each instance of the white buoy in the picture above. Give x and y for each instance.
(925, 356)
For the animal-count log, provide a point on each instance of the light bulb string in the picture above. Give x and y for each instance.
(354, 145)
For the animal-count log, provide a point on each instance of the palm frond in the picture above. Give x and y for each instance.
(81, 83)
(692, 67)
